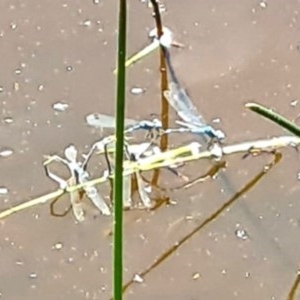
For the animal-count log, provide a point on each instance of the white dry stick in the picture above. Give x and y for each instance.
(127, 200)
(157, 160)
(187, 153)
(79, 175)
(262, 145)
(135, 151)
(108, 146)
(166, 40)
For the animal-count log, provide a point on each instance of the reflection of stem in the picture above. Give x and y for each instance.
(52, 209)
(213, 170)
(246, 188)
(293, 290)
(163, 87)
(110, 172)
(209, 174)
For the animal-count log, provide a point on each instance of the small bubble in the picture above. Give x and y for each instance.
(196, 276)
(87, 23)
(216, 121)
(16, 86)
(69, 68)
(13, 26)
(8, 120)
(18, 71)
(6, 152)
(60, 106)
(41, 87)
(32, 275)
(293, 103)
(96, 1)
(241, 234)
(263, 4)
(58, 246)
(19, 263)
(3, 190)
(137, 90)
(137, 278)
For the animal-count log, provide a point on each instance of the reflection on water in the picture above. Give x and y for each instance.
(235, 52)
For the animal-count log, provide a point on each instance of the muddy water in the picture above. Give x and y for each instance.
(63, 51)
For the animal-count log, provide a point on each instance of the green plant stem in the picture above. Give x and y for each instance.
(118, 182)
(275, 117)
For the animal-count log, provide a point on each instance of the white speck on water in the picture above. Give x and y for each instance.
(3, 190)
(69, 68)
(6, 152)
(1, 88)
(19, 263)
(263, 4)
(137, 278)
(40, 87)
(216, 121)
(33, 275)
(137, 90)
(18, 71)
(293, 103)
(13, 26)
(241, 234)
(162, 8)
(96, 1)
(87, 23)
(57, 246)
(8, 120)
(60, 106)
(16, 86)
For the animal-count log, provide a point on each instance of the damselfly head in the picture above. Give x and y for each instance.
(220, 134)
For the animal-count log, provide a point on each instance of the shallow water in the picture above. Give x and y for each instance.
(63, 51)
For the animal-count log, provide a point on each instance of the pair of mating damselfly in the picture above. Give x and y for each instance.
(179, 100)
(177, 97)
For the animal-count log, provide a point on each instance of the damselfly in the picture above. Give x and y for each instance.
(105, 121)
(181, 102)
(185, 109)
